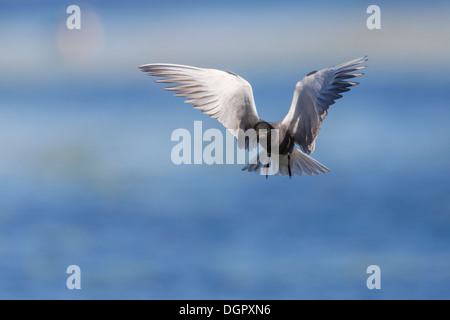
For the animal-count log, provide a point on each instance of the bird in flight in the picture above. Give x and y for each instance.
(228, 98)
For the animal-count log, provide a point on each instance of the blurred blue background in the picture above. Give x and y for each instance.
(86, 176)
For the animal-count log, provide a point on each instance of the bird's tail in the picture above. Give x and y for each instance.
(300, 163)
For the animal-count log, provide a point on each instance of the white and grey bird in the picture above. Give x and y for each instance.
(228, 98)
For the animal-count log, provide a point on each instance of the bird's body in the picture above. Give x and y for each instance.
(286, 142)
(228, 98)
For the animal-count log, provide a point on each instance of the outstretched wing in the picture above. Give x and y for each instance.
(222, 95)
(312, 97)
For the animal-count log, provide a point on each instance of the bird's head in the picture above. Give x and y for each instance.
(263, 133)
(264, 126)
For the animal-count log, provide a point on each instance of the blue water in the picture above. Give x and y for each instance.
(90, 182)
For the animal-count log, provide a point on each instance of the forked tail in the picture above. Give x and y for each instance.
(300, 163)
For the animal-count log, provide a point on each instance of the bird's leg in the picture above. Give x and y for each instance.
(267, 166)
(289, 165)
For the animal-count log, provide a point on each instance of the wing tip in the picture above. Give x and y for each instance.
(364, 58)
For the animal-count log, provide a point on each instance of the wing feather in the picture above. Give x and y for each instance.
(222, 95)
(312, 97)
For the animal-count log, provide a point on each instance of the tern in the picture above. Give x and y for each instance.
(227, 97)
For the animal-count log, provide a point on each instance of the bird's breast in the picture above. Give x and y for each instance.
(287, 144)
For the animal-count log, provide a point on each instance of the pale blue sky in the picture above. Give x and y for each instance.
(257, 37)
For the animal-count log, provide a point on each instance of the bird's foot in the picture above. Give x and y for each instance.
(289, 166)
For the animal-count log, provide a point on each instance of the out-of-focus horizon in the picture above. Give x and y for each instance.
(86, 175)
(266, 38)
